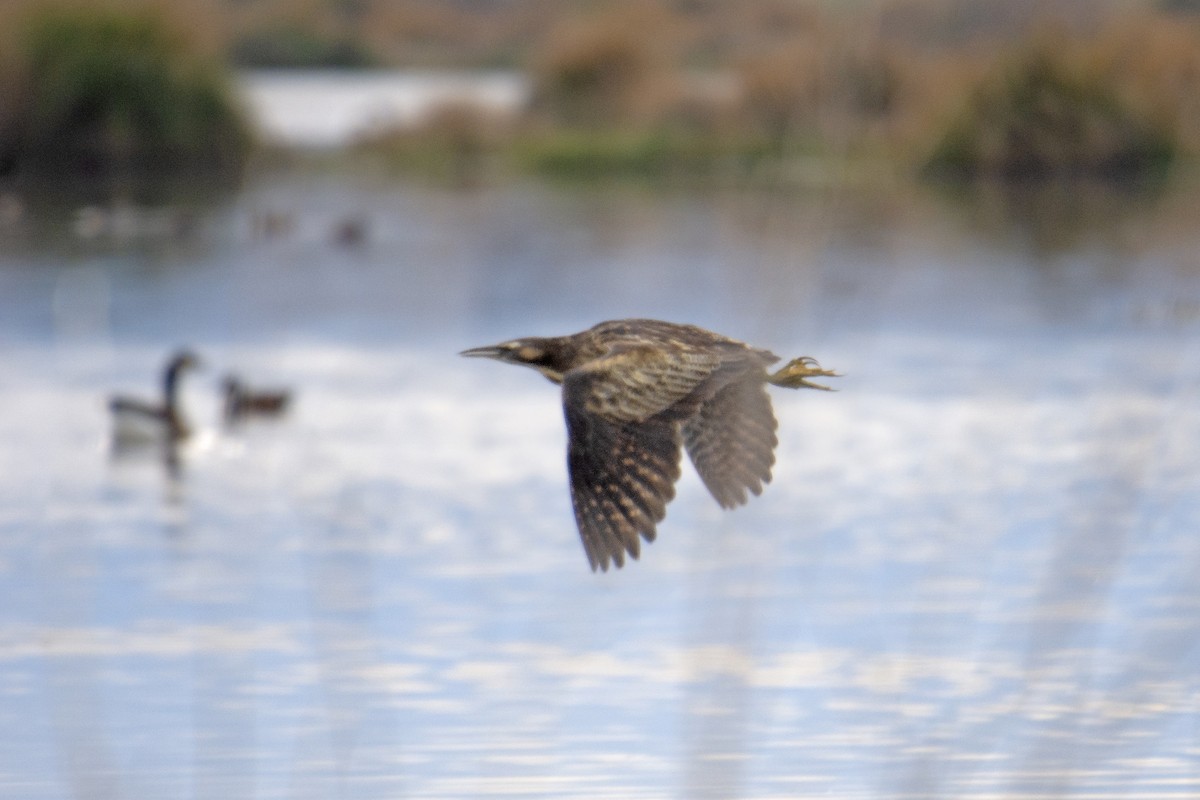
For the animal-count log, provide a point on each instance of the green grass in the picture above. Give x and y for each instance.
(104, 90)
(1043, 117)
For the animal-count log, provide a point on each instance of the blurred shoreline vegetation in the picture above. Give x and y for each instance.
(288, 46)
(900, 89)
(770, 90)
(104, 91)
(1065, 108)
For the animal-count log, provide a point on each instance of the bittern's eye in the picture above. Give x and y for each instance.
(528, 353)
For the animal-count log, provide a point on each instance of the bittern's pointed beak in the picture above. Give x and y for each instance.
(490, 351)
(795, 374)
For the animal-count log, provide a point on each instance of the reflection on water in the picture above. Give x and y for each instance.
(972, 577)
(1059, 217)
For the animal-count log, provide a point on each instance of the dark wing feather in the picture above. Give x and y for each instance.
(623, 472)
(621, 482)
(731, 438)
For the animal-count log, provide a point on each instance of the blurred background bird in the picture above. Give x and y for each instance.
(137, 420)
(242, 402)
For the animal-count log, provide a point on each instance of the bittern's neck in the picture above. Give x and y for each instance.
(171, 385)
(558, 355)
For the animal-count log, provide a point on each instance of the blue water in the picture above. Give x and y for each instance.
(973, 576)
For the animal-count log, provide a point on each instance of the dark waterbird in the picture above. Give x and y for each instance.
(636, 392)
(242, 402)
(136, 420)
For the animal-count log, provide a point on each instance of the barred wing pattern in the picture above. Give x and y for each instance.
(623, 412)
(628, 415)
(731, 441)
(622, 477)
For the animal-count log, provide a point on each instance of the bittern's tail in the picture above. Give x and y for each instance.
(795, 374)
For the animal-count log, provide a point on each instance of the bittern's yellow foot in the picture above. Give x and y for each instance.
(795, 374)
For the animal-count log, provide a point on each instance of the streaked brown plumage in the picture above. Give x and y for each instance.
(636, 392)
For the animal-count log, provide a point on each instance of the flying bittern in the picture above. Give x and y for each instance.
(635, 392)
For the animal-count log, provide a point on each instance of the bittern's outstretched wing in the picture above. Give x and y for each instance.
(731, 439)
(622, 477)
(624, 447)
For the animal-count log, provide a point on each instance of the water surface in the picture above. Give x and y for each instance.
(973, 575)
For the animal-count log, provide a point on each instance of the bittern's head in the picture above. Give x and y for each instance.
(544, 355)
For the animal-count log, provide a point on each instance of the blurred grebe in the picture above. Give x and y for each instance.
(139, 420)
